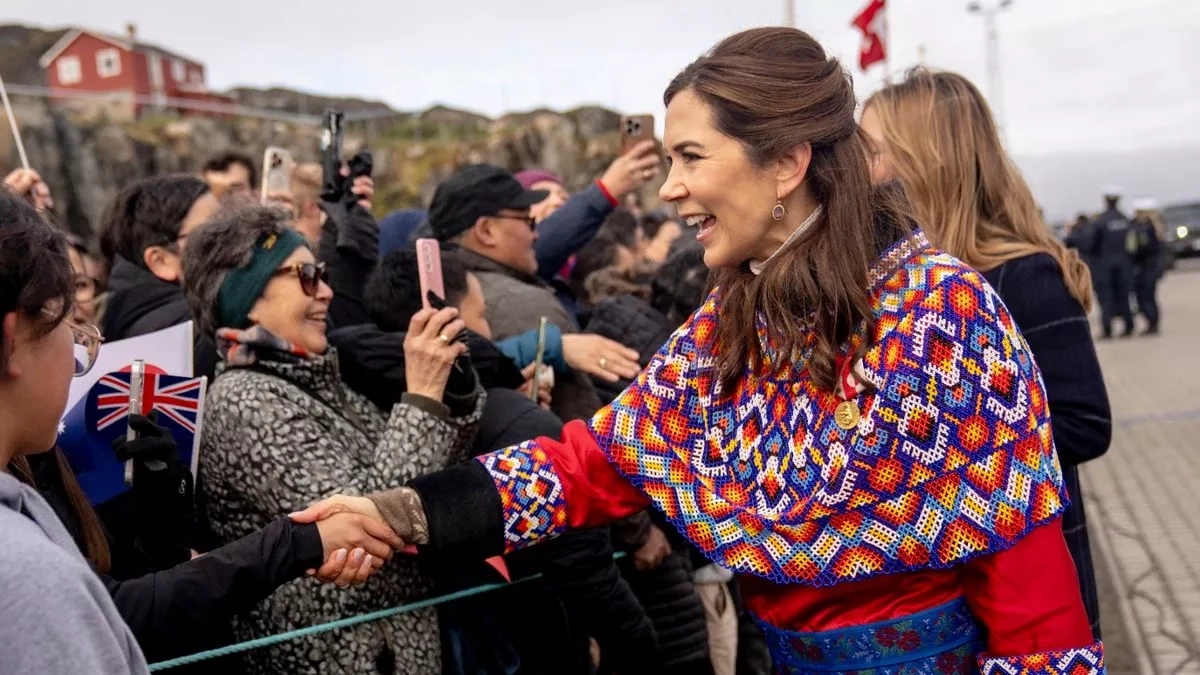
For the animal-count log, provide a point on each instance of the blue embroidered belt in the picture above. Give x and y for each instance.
(944, 639)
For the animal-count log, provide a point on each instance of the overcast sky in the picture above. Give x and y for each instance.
(1078, 75)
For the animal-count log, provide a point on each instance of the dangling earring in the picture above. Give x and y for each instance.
(778, 212)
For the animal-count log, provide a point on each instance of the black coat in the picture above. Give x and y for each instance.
(668, 592)
(1060, 337)
(635, 324)
(140, 303)
(583, 594)
(189, 607)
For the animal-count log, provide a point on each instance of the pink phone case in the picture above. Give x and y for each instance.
(429, 264)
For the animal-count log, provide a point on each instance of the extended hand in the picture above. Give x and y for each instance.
(545, 397)
(355, 546)
(599, 356)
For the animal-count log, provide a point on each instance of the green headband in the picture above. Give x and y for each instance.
(244, 286)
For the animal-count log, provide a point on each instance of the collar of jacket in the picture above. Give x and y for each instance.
(476, 262)
(319, 376)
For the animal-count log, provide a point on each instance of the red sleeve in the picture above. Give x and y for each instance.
(1027, 596)
(547, 485)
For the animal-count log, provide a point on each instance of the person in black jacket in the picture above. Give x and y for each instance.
(583, 595)
(996, 229)
(1111, 249)
(175, 611)
(1147, 261)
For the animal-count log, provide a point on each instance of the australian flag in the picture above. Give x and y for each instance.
(101, 417)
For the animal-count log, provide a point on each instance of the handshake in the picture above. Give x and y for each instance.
(355, 536)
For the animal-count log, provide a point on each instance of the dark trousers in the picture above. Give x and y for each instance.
(1114, 282)
(1145, 288)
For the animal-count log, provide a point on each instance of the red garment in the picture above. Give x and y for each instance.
(1027, 597)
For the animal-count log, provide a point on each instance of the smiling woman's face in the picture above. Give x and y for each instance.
(715, 186)
(287, 312)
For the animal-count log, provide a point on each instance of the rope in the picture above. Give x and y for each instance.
(368, 617)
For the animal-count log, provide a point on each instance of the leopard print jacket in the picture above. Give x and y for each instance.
(279, 436)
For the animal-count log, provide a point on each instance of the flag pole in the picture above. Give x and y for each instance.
(12, 123)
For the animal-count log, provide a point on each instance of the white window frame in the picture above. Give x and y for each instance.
(70, 70)
(178, 70)
(104, 55)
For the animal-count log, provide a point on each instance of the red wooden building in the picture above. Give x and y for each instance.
(124, 77)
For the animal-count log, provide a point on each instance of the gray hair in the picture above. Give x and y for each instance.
(219, 246)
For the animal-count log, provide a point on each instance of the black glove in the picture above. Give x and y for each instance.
(162, 487)
(350, 228)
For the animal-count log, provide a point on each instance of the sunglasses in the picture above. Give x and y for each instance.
(528, 220)
(311, 276)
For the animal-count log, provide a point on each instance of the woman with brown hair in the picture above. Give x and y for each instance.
(935, 134)
(851, 422)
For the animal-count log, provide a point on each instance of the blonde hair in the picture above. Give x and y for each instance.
(307, 181)
(968, 195)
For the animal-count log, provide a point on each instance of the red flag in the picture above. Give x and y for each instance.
(872, 21)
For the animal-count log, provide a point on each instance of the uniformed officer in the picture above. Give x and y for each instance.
(1147, 260)
(1111, 252)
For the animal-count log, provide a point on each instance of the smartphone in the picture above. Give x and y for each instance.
(538, 360)
(276, 172)
(332, 128)
(635, 129)
(137, 376)
(429, 270)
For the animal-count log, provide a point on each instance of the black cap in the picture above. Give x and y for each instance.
(475, 191)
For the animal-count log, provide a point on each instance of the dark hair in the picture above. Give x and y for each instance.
(35, 271)
(651, 222)
(225, 243)
(623, 226)
(221, 163)
(678, 288)
(600, 252)
(148, 213)
(775, 89)
(393, 292)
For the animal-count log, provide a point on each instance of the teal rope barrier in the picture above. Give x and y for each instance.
(333, 625)
(259, 643)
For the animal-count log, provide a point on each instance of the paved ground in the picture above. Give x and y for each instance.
(1143, 497)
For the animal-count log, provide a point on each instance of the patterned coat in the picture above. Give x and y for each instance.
(278, 436)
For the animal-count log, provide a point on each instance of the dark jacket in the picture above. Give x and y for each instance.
(668, 592)
(582, 580)
(564, 232)
(187, 608)
(1112, 237)
(1059, 335)
(350, 249)
(516, 301)
(635, 324)
(140, 303)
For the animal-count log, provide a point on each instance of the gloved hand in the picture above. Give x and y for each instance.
(162, 487)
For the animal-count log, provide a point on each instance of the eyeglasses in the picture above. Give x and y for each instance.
(87, 346)
(528, 220)
(310, 274)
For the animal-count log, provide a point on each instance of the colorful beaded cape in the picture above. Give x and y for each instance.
(952, 457)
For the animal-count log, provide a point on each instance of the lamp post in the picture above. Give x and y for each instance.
(789, 13)
(995, 87)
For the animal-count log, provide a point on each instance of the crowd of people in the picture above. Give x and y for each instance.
(812, 402)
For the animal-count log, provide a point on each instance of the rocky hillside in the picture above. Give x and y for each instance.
(87, 162)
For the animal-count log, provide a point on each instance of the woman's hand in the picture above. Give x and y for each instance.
(544, 393)
(355, 546)
(599, 356)
(430, 350)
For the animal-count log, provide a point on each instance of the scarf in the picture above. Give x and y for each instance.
(242, 348)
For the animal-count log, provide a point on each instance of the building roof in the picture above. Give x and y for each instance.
(120, 42)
